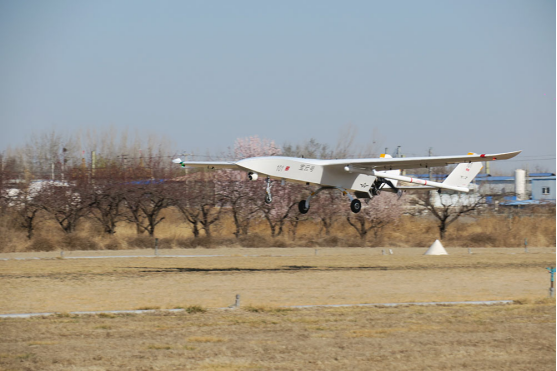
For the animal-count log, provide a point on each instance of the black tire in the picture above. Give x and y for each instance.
(302, 207)
(355, 206)
(268, 199)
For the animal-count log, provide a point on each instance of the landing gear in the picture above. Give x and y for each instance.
(302, 207)
(379, 183)
(355, 206)
(268, 196)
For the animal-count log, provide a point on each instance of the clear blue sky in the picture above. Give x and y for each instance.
(458, 76)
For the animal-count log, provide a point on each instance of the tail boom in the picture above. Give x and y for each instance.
(427, 183)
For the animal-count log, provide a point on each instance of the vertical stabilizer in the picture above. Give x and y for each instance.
(464, 173)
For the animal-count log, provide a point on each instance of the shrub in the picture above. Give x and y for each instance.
(77, 242)
(206, 242)
(329, 241)
(253, 240)
(184, 243)
(195, 309)
(113, 244)
(41, 243)
(481, 239)
(141, 242)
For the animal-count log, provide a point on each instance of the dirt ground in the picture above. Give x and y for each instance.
(262, 335)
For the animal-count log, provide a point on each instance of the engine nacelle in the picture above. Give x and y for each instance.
(252, 176)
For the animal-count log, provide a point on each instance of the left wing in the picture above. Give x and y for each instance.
(415, 162)
(212, 165)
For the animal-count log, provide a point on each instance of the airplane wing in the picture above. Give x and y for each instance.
(213, 165)
(415, 162)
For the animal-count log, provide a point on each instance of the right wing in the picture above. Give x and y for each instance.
(414, 162)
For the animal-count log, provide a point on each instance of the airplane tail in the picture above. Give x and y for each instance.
(463, 174)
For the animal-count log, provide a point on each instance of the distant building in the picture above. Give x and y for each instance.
(543, 189)
(496, 185)
(518, 190)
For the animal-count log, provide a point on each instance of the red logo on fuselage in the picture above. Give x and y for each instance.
(287, 168)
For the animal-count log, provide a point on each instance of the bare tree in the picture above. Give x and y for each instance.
(237, 194)
(447, 208)
(381, 211)
(8, 166)
(144, 203)
(68, 203)
(326, 208)
(308, 149)
(277, 213)
(295, 217)
(25, 203)
(198, 202)
(106, 205)
(254, 146)
(241, 195)
(346, 146)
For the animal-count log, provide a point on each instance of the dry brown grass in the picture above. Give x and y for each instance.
(485, 231)
(263, 335)
(510, 337)
(275, 277)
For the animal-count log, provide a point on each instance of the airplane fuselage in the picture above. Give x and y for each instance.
(307, 171)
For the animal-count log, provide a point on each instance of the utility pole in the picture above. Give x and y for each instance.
(429, 170)
(186, 159)
(64, 150)
(93, 164)
(124, 166)
(400, 155)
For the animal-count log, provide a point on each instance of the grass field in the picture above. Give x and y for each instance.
(262, 335)
(274, 277)
(509, 337)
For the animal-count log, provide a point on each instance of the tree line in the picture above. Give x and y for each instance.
(49, 178)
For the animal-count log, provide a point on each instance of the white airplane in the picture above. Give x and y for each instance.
(366, 177)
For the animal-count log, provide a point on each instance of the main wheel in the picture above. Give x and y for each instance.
(302, 207)
(355, 206)
(268, 199)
